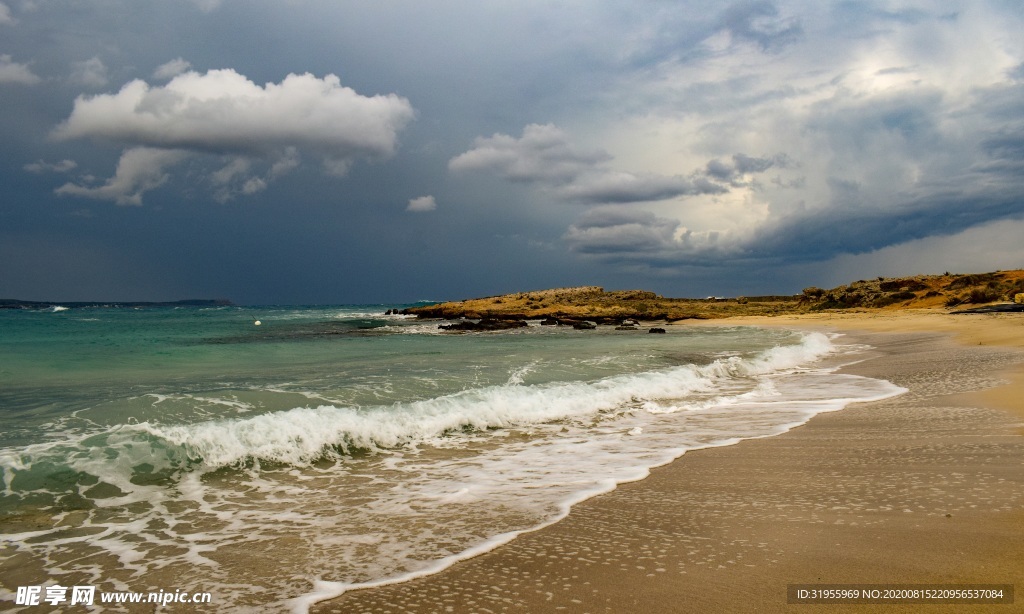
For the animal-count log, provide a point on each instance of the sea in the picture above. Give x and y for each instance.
(275, 456)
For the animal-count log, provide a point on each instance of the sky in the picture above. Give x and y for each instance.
(324, 151)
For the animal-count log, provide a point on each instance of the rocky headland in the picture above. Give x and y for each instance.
(574, 306)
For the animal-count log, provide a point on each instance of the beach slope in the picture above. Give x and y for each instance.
(921, 488)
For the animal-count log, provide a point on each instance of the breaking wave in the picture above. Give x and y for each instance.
(303, 435)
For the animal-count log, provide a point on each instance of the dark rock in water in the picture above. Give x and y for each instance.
(487, 324)
(625, 327)
(584, 326)
(549, 322)
(656, 330)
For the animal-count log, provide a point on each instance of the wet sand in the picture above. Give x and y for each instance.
(923, 488)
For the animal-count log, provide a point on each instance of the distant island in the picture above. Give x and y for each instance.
(593, 303)
(10, 303)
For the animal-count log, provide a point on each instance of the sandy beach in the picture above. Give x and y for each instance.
(923, 488)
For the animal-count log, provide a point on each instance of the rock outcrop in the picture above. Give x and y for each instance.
(486, 324)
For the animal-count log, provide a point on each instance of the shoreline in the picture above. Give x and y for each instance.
(872, 493)
(966, 330)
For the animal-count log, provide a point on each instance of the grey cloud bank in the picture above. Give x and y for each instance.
(277, 152)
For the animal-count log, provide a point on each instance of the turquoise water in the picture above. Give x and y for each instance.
(332, 446)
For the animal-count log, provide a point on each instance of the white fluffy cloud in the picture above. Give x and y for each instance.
(5, 15)
(140, 169)
(171, 69)
(422, 204)
(222, 112)
(13, 72)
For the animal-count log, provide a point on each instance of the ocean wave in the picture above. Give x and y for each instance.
(303, 435)
(511, 456)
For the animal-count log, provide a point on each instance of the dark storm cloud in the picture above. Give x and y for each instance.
(746, 137)
(897, 168)
(620, 232)
(1009, 147)
(620, 187)
(648, 241)
(542, 155)
(741, 166)
(680, 33)
(823, 235)
(642, 238)
(545, 156)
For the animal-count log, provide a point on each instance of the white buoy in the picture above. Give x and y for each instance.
(257, 322)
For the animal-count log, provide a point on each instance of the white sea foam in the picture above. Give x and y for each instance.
(288, 315)
(428, 328)
(302, 435)
(581, 466)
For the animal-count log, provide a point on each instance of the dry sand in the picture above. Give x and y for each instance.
(926, 487)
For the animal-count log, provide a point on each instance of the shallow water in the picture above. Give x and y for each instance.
(162, 448)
